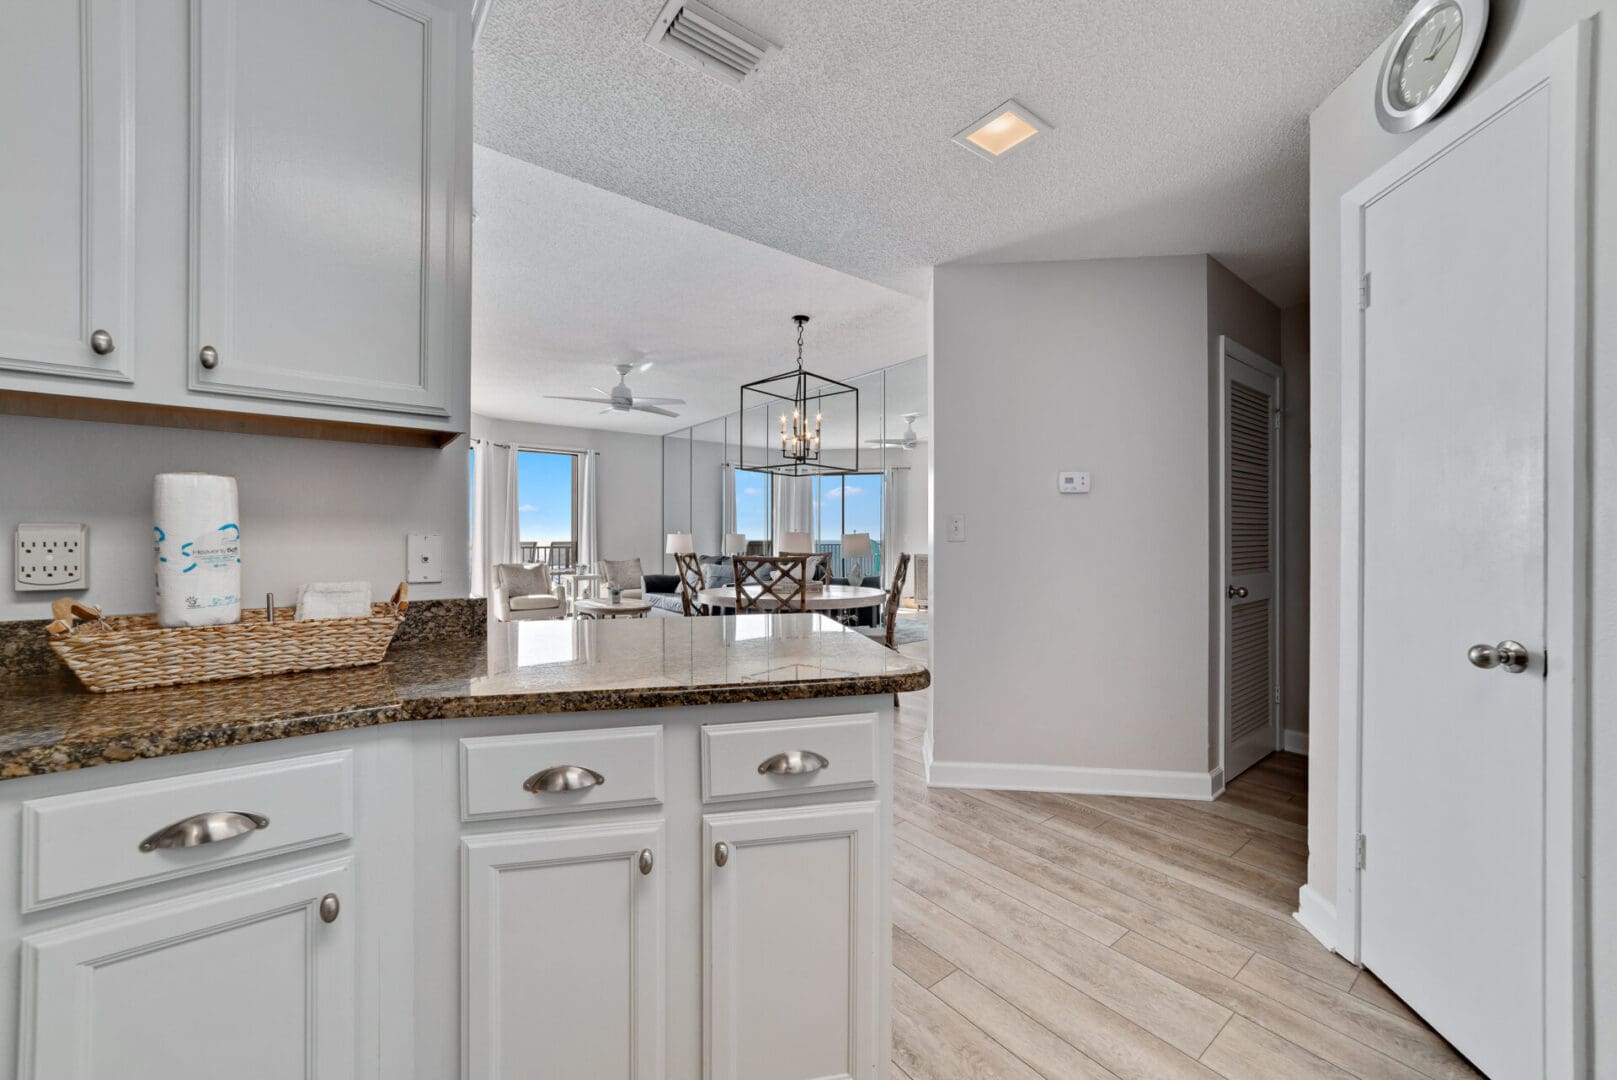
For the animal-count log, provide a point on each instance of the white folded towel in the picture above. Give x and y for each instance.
(334, 600)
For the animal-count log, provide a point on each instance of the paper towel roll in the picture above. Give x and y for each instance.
(198, 544)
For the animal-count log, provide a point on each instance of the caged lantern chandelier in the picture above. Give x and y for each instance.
(803, 400)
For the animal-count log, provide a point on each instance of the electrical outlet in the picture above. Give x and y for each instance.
(956, 531)
(51, 557)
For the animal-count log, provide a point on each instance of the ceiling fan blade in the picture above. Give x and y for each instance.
(637, 407)
(658, 400)
(603, 393)
(569, 397)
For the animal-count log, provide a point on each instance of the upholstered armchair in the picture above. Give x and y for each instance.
(524, 591)
(626, 574)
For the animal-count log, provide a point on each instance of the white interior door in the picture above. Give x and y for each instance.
(1454, 549)
(1251, 514)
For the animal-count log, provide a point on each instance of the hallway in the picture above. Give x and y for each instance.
(1078, 936)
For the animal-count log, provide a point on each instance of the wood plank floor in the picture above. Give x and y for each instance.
(1076, 936)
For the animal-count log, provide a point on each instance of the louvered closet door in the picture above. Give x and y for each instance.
(1252, 544)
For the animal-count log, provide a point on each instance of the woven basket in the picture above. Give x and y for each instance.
(127, 652)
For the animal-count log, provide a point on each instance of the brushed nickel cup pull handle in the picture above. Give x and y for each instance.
(794, 763)
(209, 828)
(330, 907)
(101, 343)
(208, 357)
(645, 860)
(721, 853)
(562, 778)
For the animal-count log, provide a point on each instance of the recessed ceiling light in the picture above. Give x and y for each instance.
(1001, 130)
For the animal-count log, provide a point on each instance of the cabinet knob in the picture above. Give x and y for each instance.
(208, 357)
(721, 853)
(101, 342)
(330, 907)
(645, 860)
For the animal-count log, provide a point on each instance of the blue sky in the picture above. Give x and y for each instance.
(544, 496)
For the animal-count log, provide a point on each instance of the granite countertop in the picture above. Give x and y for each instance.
(50, 723)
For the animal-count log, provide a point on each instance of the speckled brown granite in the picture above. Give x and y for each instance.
(48, 723)
(25, 651)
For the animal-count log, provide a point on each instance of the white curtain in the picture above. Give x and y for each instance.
(794, 505)
(727, 501)
(494, 511)
(589, 522)
(894, 480)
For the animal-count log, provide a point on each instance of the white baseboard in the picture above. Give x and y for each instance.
(1296, 742)
(1074, 780)
(1317, 915)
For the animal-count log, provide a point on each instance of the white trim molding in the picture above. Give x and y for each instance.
(1317, 915)
(1076, 779)
(1294, 741)
(1564, 66)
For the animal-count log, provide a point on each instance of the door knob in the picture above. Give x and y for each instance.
(1510, 655)
(1237, 592)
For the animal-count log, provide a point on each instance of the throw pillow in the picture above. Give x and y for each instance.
(525, 579)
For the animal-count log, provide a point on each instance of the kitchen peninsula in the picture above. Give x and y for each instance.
(621, 848)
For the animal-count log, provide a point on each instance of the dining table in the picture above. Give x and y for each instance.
(820, 597)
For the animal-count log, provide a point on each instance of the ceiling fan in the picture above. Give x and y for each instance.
(621, 399)
(909, 440)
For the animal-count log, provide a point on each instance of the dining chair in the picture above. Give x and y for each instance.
(530, 551)
(691, 581)
(782, 578)
(900, 572)
(758, 547)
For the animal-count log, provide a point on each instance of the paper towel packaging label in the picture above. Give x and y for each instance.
(198, 549)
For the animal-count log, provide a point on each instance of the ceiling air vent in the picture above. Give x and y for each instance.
(697, 35)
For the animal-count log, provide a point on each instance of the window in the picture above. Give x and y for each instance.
(754, 509)
(849, 504)
(547, 504)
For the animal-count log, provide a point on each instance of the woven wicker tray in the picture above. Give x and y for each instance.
(127, 652)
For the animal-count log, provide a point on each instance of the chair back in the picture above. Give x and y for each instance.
(899, 573)
(691, 582)
(563, 553)
(758, 547)
(530, 550)
(781, 578)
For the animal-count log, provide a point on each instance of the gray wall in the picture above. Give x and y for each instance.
(1346, 146)
(310, 510)
(1294, 499)
(628, 489)
(1080, 623)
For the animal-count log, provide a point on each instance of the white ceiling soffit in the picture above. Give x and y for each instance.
(1179, 128)
(568, 280)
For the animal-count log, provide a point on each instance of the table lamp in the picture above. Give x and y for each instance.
(735, 543)
(795, 543)
(856, 546)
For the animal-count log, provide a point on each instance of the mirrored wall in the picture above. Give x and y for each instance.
(710, 491)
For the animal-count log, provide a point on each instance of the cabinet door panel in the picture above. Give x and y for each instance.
(66, 110)
(793, 964)
(564, 964)
(323, 134)
(246, 982)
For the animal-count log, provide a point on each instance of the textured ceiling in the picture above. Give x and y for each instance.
(569, 279)
(1180, 127)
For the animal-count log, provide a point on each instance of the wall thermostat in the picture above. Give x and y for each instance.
(1073, 483)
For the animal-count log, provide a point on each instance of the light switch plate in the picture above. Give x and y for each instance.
(423, 558)
(1073, 483)
(957, 529)
(51, 557)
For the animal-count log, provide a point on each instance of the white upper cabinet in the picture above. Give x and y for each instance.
(67, 132)
(324, 138)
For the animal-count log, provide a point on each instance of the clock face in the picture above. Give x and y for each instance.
(1425, 57)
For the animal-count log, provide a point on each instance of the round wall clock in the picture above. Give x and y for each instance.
(1428, 60)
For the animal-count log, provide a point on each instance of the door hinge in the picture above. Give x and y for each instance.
(1277, 693)
(1358, 852)
(1364, 291)
(1277, 419)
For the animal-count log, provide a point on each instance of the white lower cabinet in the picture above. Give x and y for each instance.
(564, 964)
(793, 906)
(248, 982)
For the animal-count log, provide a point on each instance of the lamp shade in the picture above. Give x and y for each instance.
(795, 543)
(681, 544)
(856, 545)
(735, 543)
